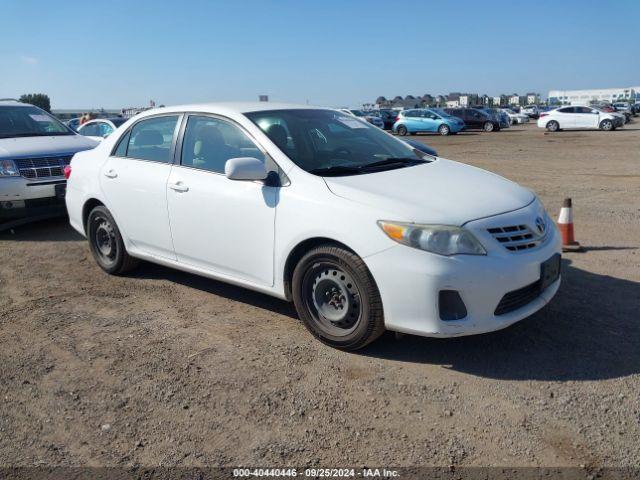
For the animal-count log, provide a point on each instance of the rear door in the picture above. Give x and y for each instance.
(134, 182)
(413, 120)
(566, 117)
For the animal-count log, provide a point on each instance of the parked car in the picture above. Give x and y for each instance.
(35, 147)
(501, 117)
(531, 110)
(475, 119)
(515, 118)
(100, 128)
(419, 120)
(422, 147)
(388, 117)
(571, 117)
(362, 232)
(370, 117)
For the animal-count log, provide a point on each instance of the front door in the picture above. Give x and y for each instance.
(134, 182)
(221, 225)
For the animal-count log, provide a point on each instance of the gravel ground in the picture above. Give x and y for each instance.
(166, 368)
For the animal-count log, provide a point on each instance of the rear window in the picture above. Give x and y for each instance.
(152, 139)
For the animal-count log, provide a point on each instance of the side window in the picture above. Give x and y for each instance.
(151, 139)
(121, 150)
(91, 130)
(567, 110)
(209, 142)
(105, 129)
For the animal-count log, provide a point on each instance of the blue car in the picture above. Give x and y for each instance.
(427, 120)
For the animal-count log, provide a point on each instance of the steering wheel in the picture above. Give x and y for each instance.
(337, 151)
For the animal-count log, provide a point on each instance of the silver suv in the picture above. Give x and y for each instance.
(34, 149)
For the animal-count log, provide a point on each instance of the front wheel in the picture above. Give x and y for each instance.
(402, 130)
(337, 298)
(106, 243)
(606, 125)
(488, 127)
(444, 130)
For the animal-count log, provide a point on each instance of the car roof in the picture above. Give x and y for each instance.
(14, 103)
(231, 107)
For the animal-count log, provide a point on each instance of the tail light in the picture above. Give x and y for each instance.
(397, 118)
(543, 115)
(67, 171)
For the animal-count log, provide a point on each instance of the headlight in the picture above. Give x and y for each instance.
(8, 168)
(440, 239)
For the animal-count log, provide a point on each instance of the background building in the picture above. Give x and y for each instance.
(584, 97)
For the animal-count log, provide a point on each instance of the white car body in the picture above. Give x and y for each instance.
(244, 232)
(530, 110)
(516, 117)
(578, 117)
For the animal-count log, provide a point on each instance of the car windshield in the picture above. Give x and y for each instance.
(28, 121)
(332, 143)
(358, 113)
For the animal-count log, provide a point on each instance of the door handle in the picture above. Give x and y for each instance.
(110, 174)
(179, 187)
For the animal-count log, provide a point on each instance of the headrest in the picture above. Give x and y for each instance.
(278, 135)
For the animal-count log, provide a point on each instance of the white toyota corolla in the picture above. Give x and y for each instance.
(362, 232)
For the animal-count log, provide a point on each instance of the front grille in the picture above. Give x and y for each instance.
(43, 167)
(516, 237)
(518, 298)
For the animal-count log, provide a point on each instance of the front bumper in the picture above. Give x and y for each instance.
(409, 281)
(20, 198)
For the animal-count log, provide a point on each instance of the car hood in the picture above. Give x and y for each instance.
(440, 192)
(44, 146)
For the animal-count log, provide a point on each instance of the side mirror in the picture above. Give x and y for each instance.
(245, 168)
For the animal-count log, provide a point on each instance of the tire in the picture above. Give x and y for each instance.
(553, 126)
(105, 242)
(402, 130)
(337, 298)
(444, 130)
(488, 126)
(606, 125)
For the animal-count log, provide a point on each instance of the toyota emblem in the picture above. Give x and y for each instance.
(540, 225)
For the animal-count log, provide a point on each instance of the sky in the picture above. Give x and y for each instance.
(115, 53)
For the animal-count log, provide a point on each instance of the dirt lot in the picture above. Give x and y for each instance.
(166, 368)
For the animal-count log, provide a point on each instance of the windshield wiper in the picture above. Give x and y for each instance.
(336, 170)
(394, 161)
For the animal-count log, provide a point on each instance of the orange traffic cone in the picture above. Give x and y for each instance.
(565, 224)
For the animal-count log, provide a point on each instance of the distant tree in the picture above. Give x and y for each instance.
(38, 99)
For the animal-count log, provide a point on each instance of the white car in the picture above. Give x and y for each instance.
(100, 128)
(515, 117)
(371, 117)
(531, 111)
(35, 148)
(577, 117)
(361, 231)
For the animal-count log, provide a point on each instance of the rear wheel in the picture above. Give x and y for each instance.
(553, 126)
(606, 125)
(106, 243)
(402, 130)
(337, 298)
(488, 127)
(444, 129)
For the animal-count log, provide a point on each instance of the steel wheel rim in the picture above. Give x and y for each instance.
(104, 240)
(333, 299)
